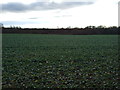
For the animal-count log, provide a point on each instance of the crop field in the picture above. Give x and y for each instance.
(60, 61)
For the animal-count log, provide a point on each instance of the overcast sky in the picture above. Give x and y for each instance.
(59, 13)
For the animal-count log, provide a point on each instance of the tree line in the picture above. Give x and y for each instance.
(89, 30)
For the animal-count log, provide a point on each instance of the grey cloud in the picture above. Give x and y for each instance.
(33, 18)
(19, 7)
(14, 7)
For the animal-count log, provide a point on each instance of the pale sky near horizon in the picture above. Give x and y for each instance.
(59, 13)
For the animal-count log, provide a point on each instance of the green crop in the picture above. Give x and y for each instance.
(60, 61)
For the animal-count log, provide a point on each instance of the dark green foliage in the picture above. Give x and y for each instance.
(89, 30)
(67, 61)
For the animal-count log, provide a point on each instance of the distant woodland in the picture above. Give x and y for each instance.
(89, 30)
